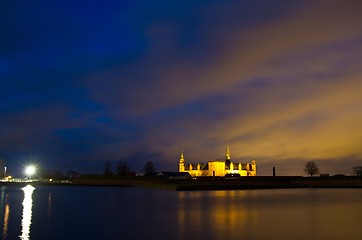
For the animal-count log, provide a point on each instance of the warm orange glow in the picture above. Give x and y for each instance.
(6, 219)
(218, 168)
(8, 177)
(49, 205)
(227, 216)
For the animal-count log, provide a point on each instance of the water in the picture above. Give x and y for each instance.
(134, 213)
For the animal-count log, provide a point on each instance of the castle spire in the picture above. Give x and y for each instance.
(182, 160)
(227, 152)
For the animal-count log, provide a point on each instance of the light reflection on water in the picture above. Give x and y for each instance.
(221, 211)
(6, 219)
(27, 212)
(49, 205)
(6, 213)
(134, 213)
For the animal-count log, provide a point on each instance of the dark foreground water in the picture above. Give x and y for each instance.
(133, 213)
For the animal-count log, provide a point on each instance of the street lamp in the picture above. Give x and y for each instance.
(29, 171)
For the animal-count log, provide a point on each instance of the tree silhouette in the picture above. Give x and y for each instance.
(72, 174)
(122, 168)
(149, 169)
(357, 170)
(311, 168)
(107, 169)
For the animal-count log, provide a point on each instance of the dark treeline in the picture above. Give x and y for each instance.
(57, 174)
(123, 169)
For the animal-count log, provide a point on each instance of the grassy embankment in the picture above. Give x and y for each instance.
(206, 183)
(209, 183)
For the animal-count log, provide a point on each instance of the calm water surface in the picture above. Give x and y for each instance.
(134, 213)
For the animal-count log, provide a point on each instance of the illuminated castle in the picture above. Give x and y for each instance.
(217, 167)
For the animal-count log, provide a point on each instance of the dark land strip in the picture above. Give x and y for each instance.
(205, 183)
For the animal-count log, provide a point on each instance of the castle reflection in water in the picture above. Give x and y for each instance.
(71, 212)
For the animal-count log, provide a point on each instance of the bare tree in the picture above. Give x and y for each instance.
(149, 169)
(72, 174)
(357, 170)
(122, 168)
(311, 168)
(107, 169)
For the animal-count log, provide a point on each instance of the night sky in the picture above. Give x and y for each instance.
(85, 82)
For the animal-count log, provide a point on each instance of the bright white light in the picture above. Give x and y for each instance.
(30, 170)
(27, 212)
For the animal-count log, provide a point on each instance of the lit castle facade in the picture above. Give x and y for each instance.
(217, 168)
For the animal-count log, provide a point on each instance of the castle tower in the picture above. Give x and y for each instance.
(227, 154)
(253, 166)
(182, 162)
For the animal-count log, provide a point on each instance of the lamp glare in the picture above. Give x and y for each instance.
(30, 170)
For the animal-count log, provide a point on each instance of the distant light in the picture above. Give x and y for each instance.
(29, 170)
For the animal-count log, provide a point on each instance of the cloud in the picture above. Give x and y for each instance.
(279, 81)
(288, 89)
(168, 75)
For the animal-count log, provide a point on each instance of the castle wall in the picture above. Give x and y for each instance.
(198, 173)
(217, 168)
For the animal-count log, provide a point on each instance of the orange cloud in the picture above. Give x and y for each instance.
(291, 86)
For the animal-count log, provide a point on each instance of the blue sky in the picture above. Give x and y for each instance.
(86, 82)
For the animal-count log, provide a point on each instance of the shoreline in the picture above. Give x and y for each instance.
(260, 182)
